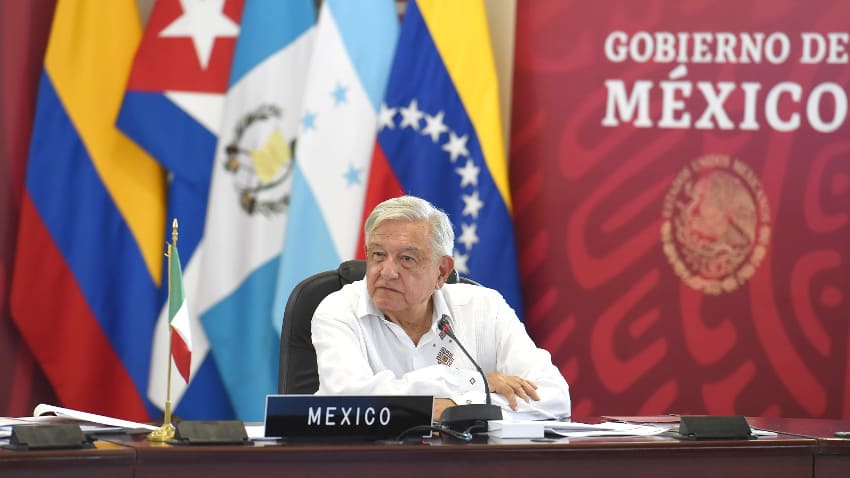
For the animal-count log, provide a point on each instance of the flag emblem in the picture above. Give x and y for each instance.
(260, 159)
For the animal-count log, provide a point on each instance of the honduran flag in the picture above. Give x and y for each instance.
(172, 108)
(249, 194)
(89, 259)
(346, 82)
(440, 137)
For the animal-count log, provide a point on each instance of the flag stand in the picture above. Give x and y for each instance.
(166, 432)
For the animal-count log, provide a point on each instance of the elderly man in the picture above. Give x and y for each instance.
(379, 336)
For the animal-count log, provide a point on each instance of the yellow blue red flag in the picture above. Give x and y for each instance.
(440, 137)
(89, 257)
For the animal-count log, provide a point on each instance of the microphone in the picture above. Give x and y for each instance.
(468, 417)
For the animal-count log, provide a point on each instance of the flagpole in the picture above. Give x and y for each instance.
(166, 431)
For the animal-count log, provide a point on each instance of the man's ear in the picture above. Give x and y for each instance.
(445, 266)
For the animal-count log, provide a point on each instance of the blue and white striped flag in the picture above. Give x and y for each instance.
(355, 42)
(249, 197)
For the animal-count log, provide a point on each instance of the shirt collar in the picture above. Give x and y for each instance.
(365, 306)
(441, 307)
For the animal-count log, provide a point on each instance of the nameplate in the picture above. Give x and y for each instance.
(707, 427)
(48, 436)
(356, 417)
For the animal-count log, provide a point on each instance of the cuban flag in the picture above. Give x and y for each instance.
(440, 137)
(346, 82)
(250, 195)
(89, 262)
(172, 108)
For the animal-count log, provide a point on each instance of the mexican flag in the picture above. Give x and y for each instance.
(178, 317)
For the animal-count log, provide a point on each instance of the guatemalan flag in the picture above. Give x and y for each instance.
(88, 267)
(249, 198)
(440, 137)
(172, 108)
(346, 82)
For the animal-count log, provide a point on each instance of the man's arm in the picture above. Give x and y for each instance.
(526, 371)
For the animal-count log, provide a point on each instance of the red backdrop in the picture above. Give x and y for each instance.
(681, 180)
(24, 28)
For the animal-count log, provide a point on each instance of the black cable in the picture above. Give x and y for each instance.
(463, 436)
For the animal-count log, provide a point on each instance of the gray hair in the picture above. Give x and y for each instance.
(412, 208)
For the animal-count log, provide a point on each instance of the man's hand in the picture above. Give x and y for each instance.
(441, 404)
(511, 386)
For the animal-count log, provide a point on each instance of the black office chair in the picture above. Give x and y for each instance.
(298, 371)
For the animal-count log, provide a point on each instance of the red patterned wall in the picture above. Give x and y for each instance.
(682, 214)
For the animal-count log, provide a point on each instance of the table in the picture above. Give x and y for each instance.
(789, 454)
(781, 456)
(106, 460)
(832, 459)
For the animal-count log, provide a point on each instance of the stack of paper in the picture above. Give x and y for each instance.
(537, 429)
(89, 422)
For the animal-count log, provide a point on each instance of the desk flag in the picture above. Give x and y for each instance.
(178, 316)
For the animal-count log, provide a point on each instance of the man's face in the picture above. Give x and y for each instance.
(401, 270)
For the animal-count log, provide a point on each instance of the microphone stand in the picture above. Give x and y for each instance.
(471, 417)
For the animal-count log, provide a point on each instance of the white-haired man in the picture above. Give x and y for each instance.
(379, 336)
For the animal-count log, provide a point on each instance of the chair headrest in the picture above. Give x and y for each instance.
(350, 271)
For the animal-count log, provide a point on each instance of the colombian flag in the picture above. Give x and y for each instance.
(89, 258)
(440, 137)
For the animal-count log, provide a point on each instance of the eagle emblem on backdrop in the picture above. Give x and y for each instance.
(260, 159)
(716, 224)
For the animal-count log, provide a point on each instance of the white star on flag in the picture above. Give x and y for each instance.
(456, 146)
(203, 21)
(468, 237)
(385, 117)
(472, 204)
(434, 126)
(411, 115)
(468, 174)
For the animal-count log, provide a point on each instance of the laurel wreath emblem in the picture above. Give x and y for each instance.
(716, 225)
(237, 160)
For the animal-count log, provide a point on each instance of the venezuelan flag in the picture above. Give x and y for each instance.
(90, 244)
(440, 137)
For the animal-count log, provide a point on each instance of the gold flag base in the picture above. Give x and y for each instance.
(162, 434)
(165, 432)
